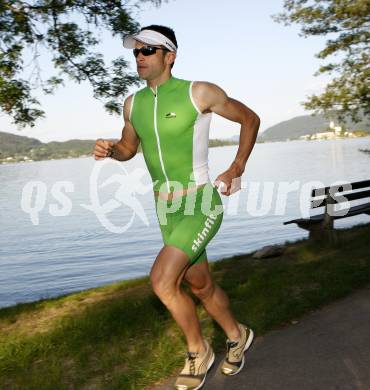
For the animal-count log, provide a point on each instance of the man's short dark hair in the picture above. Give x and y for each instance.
(166, 31)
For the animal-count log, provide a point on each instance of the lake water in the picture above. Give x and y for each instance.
(51, 245)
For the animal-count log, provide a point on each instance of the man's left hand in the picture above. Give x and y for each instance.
(227, 183)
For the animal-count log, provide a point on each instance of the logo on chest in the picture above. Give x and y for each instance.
(170, 115)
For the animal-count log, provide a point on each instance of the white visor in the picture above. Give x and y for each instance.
(149, 37)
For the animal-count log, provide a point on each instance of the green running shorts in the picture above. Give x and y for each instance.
(190, 221)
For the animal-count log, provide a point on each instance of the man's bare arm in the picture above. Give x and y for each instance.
(126, 147)
(211, 98)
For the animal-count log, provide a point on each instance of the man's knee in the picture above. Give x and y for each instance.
(162, 287)
(167, 273)
(204, 292)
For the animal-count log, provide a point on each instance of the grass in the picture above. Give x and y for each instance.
(94, 339)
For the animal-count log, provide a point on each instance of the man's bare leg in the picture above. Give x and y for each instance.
(166, 275)
(213, 298)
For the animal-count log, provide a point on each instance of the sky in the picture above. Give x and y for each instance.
(234, 44)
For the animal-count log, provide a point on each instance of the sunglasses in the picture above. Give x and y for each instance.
(147, 50)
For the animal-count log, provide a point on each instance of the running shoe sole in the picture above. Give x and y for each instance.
(247, 345)
(204, 379)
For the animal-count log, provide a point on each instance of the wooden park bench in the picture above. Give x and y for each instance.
(322, 225)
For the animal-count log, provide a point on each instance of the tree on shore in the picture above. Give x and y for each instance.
(349, 22)
(68, 31)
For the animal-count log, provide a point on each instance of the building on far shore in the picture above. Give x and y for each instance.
(337, 129)
(335, 132)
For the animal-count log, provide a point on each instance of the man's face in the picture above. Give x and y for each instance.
(150, 67)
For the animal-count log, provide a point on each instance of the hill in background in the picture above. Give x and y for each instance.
(16, 148)
(308, 124)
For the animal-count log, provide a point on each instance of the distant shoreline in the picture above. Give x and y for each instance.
(317, 137)
(48, 155)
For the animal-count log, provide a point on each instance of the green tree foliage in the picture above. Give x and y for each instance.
(52, 25)
(348, 21)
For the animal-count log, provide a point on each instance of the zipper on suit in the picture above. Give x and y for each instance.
(157, 135)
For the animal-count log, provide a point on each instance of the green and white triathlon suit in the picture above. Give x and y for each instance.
(174, 138)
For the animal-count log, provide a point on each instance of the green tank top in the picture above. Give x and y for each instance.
(173, 133)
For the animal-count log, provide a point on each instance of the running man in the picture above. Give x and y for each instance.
(170, 117)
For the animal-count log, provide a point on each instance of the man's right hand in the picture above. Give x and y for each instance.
(102, 148)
